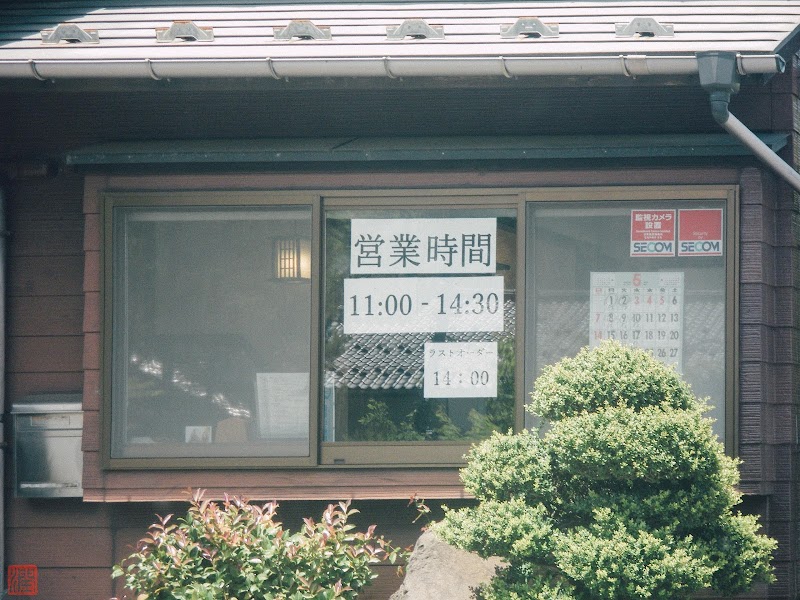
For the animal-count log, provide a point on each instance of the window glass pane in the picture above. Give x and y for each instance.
(419, 322)
(211, 332)
(650, 274)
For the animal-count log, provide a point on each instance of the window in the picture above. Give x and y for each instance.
(651, 273)
(420, 331)
(257, 329)
(211, 330)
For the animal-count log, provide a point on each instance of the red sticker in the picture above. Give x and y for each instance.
(700, 232)
(23, 580)
(652, 233)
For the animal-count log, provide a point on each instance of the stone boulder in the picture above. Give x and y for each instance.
(437, 571)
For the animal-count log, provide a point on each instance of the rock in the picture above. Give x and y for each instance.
(437, 571)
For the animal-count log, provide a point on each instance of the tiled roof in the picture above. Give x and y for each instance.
(557, 335)
(394, 360)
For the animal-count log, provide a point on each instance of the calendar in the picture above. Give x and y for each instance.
(641, 309)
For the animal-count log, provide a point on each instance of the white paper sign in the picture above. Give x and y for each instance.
(460, 370)
(423, 304)
(640, 309)
(283, 405)
(422, 246)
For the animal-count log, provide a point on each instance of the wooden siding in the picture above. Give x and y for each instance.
(45, 298)
(47, 226)
(69, 541)
(75, 545)
(172, 112)
(769, 379)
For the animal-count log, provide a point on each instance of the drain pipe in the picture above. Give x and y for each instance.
(719, 76)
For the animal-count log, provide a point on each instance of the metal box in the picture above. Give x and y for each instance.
(48, 462)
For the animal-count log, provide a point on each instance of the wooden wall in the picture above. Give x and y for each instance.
(69, 541)
(769, 372)
(768, 375)
(45, 294)
(53, 316)
(75, 543)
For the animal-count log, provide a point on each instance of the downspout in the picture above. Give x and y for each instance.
(719, 76)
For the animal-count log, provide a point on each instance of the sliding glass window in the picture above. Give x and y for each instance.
(651, 274)
(211, 336)
(267, 329)
(420, 321)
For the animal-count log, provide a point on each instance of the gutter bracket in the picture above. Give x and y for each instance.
(634, 65)
(719, 76)
(35, 71)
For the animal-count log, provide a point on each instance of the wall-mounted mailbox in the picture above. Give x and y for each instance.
(47, 447)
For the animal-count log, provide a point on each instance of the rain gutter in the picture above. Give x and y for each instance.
(719, 76)
(629, 65)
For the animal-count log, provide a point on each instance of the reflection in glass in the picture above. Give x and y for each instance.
(211, 351)
(374, 380)
(573, 242)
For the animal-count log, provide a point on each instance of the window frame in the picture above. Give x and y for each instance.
(729, 195)
(450, 453)
(328, 455)
(205, 198)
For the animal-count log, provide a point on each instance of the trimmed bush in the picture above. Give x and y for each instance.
(625, 494)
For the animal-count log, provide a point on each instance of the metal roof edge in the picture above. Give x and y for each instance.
(361, 150)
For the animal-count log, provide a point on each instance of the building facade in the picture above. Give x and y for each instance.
(311, 253)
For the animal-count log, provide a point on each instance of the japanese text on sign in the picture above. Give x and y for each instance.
(422, 246)
(460, 370)
(652, 233)
(423, 304)
(640, 309)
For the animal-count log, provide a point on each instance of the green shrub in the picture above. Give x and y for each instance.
(235, 550)
(609, 375)
(626, 494)
(507, 466)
